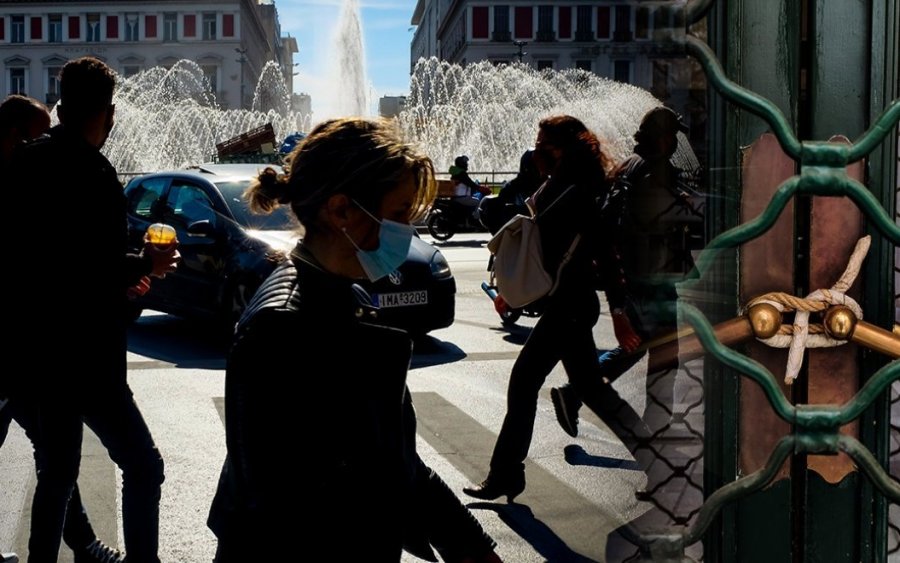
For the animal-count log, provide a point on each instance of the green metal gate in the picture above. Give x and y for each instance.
(805, 69)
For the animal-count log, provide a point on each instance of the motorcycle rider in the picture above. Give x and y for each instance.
(465, 188)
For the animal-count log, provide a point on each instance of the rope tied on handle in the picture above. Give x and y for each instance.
(801, 335)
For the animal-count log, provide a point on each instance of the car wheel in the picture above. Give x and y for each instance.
(439, 227)
(133, 312)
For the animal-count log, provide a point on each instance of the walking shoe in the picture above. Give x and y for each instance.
(98, 552)
(566, 409)
(494, 487)
(9, 558)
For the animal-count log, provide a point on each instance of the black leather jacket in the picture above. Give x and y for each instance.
(309, 378)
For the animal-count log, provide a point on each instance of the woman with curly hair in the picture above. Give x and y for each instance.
(565, 205)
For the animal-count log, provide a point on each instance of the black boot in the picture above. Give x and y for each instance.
(496, 486)
(98, 552)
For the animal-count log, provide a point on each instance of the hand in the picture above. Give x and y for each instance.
(138, 289)
(164, 258)
(625, 334)
(501, 306)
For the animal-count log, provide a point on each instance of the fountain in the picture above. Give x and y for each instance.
(169, 118)
(490, 112)
(347, 88)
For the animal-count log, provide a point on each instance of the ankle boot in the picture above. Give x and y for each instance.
(496, 486)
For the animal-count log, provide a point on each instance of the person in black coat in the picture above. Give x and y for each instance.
(574, 160)
(311, 370)
(79, 255)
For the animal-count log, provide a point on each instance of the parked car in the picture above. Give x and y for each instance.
(227, 251)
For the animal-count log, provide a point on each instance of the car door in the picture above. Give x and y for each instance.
(144, 199)
(194, 286)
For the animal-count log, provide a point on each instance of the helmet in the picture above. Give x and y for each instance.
(462, 162)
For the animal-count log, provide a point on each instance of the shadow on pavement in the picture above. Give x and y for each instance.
(576, 455)
(193, 344)
(521, 520)
(185, 343)
(474, 243)
(430, 351)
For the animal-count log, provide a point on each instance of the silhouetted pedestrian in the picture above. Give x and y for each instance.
(84, 230)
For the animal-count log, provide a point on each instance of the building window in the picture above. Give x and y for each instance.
(623, 24)
(132, 33)
(565, 22)
(584, 30)
(37, 29)
(74, 27)
(642, 23)
(93, 28)
(545, 24)
(228, 25)
(479, 22)
(524, 22)
(130, 70)
(150, 27)
(16, 79)
(584, 64)
(603, 22)
(54, 28)
(112, 27)
(52, 85)
(190, 25)
(211, 72)
(209, 27)
(17, 29)
(2, 28)
(544, 64)
(660, 85)
(501, 24)
(622, 71)
(170, 27)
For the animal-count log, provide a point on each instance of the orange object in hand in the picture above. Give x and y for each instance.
(160, 234)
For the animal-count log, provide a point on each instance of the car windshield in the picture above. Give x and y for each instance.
(279, 220)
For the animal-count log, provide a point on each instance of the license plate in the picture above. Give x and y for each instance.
(401, 299)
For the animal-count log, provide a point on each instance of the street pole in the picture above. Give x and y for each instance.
(243, 59)
(520, 45)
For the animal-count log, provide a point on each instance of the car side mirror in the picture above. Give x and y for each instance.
(202, 228)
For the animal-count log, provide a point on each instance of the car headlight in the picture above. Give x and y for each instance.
(440, 269)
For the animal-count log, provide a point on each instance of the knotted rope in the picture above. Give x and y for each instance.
(801, 335)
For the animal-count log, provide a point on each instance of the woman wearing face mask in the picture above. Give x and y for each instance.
(567, 152)
(311, 376)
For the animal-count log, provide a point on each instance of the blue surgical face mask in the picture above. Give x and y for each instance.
(394, 240)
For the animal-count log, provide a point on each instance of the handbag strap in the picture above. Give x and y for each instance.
(552, 203)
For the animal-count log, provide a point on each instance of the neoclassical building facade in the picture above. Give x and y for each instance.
(231, 41)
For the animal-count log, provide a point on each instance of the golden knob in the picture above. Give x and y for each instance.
(840, 322)
(765, 320)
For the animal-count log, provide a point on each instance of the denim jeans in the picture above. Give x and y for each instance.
(77, 530)
(115, 419)
(563, 333)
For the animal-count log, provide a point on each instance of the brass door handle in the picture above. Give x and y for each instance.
(764, 321)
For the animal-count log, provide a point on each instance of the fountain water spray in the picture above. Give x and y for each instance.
(167, 119)
(491, 113)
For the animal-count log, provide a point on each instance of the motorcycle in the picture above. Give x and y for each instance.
(449, 216)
